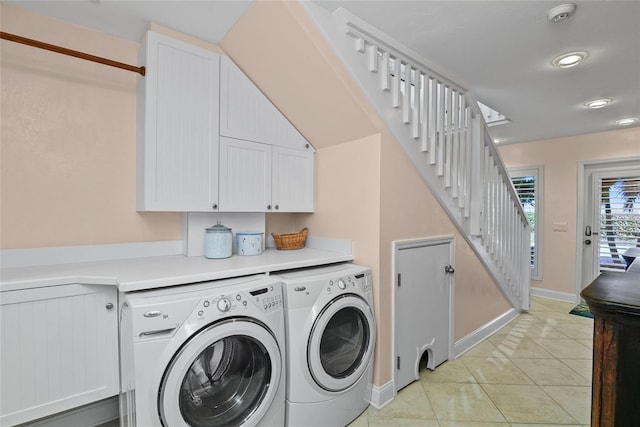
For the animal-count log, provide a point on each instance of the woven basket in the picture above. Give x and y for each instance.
(291, 241)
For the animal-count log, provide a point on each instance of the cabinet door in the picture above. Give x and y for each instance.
(246, 113)
(292, 180)
(178, 114)
(245, 176)
(59, 349)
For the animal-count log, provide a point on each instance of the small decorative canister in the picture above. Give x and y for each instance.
(249, 243)
(218, 241)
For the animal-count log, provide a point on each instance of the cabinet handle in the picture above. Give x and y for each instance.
(109, 306)
(306, 145)
(268, 207)
(214, 206)
(277, 207)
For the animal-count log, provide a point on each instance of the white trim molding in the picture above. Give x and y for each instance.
(560, 296)
(484, 332)
(91, 415)
(382, 396)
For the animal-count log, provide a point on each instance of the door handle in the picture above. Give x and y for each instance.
(587, 231)
(449, 269)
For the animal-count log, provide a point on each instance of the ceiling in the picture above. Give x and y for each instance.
(499, 50)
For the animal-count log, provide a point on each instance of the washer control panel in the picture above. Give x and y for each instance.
(267, 299)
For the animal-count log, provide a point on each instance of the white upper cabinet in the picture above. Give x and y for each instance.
(245, 113)
(209, 140)
(257, 177)
(245, 176)
(292, 180)
(178, 121)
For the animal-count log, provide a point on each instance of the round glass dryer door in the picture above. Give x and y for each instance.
(226, 375)
(341, 343)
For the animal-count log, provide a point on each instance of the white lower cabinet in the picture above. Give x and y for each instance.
(257, 177)
(59, 349)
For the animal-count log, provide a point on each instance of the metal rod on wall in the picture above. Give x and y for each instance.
(74, 53)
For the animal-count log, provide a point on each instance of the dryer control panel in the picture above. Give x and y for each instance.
(304, 293)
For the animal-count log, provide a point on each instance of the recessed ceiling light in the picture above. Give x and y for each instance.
(571, 59)
(598, 103)
(627, 121)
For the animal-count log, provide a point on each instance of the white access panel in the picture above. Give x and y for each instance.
(59, 349)
(423, 303)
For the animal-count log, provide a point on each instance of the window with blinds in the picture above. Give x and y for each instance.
(528, 186)
(619, 220)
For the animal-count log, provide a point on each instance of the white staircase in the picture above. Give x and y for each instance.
(441, 128)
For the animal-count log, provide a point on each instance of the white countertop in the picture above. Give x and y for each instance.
(135, 274)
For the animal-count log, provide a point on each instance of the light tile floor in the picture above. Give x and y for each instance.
(536, 371)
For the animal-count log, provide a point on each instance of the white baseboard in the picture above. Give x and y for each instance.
(381, 396)
(89, 253)
(91, 415)
(560, 296)
(484, 332)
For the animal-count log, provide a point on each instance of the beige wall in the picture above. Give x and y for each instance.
(279, 47)
(68, 140)
(560, 158)
(410, 210)
(68, 153)
(367, 190)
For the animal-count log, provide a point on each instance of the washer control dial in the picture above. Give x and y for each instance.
(342, 285)
(224, 304)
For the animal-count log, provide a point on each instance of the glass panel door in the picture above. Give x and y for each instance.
(619, 220)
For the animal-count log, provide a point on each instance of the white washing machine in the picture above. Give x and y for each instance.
(331, 334)
(204, 354)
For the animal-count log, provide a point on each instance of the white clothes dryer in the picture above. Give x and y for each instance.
(204, 354)
(331, 334)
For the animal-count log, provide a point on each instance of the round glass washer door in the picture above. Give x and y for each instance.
(341, 343)
(226, 375)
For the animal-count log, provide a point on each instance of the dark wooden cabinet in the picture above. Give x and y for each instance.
(614, 299)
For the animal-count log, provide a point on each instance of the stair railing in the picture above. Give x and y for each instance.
(440, 126)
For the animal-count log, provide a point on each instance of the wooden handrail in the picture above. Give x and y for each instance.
(70, 52)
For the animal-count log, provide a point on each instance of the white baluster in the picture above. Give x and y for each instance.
(477, 178)
(416, 104)
(441, 127)
(424, 112)
(448, 129)
(468, 162)
(396, 81)
(385, 83)
(406, 99)
(373, 58)
(433, 116)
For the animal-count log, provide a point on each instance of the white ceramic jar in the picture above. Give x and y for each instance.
(249, 242)
(218, 241)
